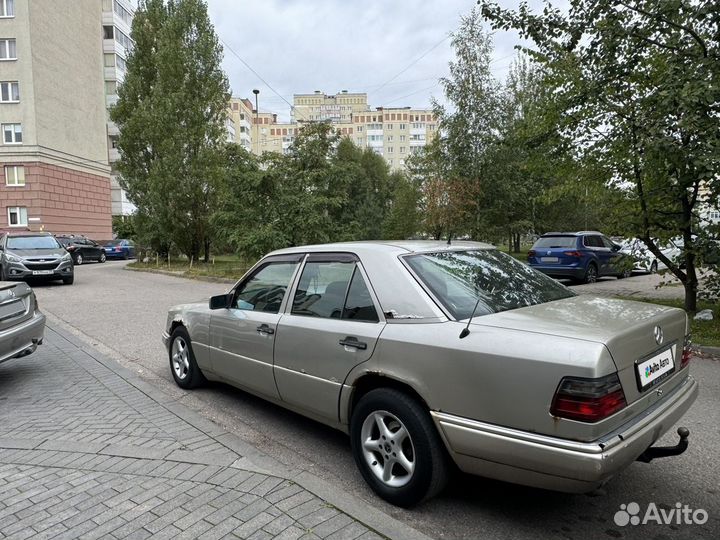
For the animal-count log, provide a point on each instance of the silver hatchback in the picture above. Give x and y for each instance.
(427, 353)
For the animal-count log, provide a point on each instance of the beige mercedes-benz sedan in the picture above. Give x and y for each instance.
(427, 354)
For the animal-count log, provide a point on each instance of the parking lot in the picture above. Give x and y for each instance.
(122, 313)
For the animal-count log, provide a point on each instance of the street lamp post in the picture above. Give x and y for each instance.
(257, 121)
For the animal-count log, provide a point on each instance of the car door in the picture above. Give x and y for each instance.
(602, 254)
(94, 250)
(614, 264)
(242, 336)
(331, 326)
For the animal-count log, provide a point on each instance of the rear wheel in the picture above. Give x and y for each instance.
(102, 258)
(591, 274)
(397, 448)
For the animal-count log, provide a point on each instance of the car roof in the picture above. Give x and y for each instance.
(578, 233)
(26, 233)
(398, 247)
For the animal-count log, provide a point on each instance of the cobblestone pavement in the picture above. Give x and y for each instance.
(86, 452)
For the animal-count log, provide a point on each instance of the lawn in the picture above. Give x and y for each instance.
(221, 266)
(703, 332)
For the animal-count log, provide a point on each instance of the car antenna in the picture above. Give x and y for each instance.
(466, 331)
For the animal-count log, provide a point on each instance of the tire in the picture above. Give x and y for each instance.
(3, 277)
(591, 274)
(102, 258)
(422, 448)
(78, 259)
(68, 280)
(183, 366)
(654, 267)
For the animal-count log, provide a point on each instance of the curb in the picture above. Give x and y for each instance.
(253, 460)
(709, 351)
(209, 279)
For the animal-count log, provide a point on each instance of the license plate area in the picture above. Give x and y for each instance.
(549, 259)
(653, 369)
(42, 272)
(11, 309)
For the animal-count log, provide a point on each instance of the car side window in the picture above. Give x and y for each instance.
(322, 288)
(265, 289)
(593, 241)
(359, 305)
(607, 242)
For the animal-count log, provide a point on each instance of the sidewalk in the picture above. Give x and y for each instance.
(87, 450)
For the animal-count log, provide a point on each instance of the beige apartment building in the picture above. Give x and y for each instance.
(394, 133)
(54, 170)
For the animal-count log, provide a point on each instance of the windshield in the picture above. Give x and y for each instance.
(459, 278)
(555, 242)
(32, 242)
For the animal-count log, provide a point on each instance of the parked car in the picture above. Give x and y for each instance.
(645, 260)
(26, 255)
(82, 249)
(22, 325)
(423, 351)
(119, 249)
(582, 257)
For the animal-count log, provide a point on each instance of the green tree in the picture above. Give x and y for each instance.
(638, 86)
(403, 219)
(171, 112)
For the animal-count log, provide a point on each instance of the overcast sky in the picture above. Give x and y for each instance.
(298, 46)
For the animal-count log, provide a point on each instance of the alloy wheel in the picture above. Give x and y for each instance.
(591, 274)
(388, 448)
(78, 259)
(180, 358)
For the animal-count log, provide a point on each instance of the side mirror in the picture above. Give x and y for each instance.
(615, 247)
(221, 301)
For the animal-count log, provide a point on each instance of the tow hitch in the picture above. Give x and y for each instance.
(665, 451)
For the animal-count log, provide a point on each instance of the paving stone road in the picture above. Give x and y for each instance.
(86, 451)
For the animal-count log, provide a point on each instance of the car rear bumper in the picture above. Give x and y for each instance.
(22, 339)
(559, 464)
(561, 271)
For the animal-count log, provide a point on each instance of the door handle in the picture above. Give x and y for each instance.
(353, 342)
(265, 329)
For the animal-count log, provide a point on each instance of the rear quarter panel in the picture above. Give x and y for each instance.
(500, 376)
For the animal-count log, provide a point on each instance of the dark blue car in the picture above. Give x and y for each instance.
(582, 257)
(119, 249)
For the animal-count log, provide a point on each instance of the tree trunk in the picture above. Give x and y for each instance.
(516, 240)
(207, 250)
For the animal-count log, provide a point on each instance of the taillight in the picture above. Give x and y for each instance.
(572, 254)
(118, 249)
(687, 352)
(531, 253)
(588, 400)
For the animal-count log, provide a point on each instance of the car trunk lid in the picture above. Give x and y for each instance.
(15, 303)
(626, 328)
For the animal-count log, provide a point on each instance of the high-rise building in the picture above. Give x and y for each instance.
(394, 133)
(241, 114)
(54, 170)
(117, 21)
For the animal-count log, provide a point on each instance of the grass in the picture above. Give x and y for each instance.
(705, 333)
(221, 266)
(521, 256)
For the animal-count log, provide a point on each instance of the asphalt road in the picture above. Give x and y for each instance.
(123, 313)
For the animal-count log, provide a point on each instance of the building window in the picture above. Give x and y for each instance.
(12, 133)
(14, 175)
(124, 40)
(110, 88)
(7, 8)
(109, 60)
(402, 149)
(108, 32)
(390, 149)
(9, 92)
(359, 129)
(389, 126)
(389, 138)
(402, 138)
(123, 13)
(403, 126)
(120, 63)
(17, 216)
(8, 49)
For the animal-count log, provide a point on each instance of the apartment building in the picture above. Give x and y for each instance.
(54, 169)
(241, 115)
(117, 18)
(394, 133)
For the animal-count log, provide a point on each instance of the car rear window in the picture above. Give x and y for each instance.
(500, 282)
(555, 242)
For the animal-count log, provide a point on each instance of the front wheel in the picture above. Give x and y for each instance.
(68, 280)
(183, 366)
(102, 258)
(397, 448)
(78, 259)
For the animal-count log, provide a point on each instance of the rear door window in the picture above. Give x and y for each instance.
(322, 289)
(359, 305)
